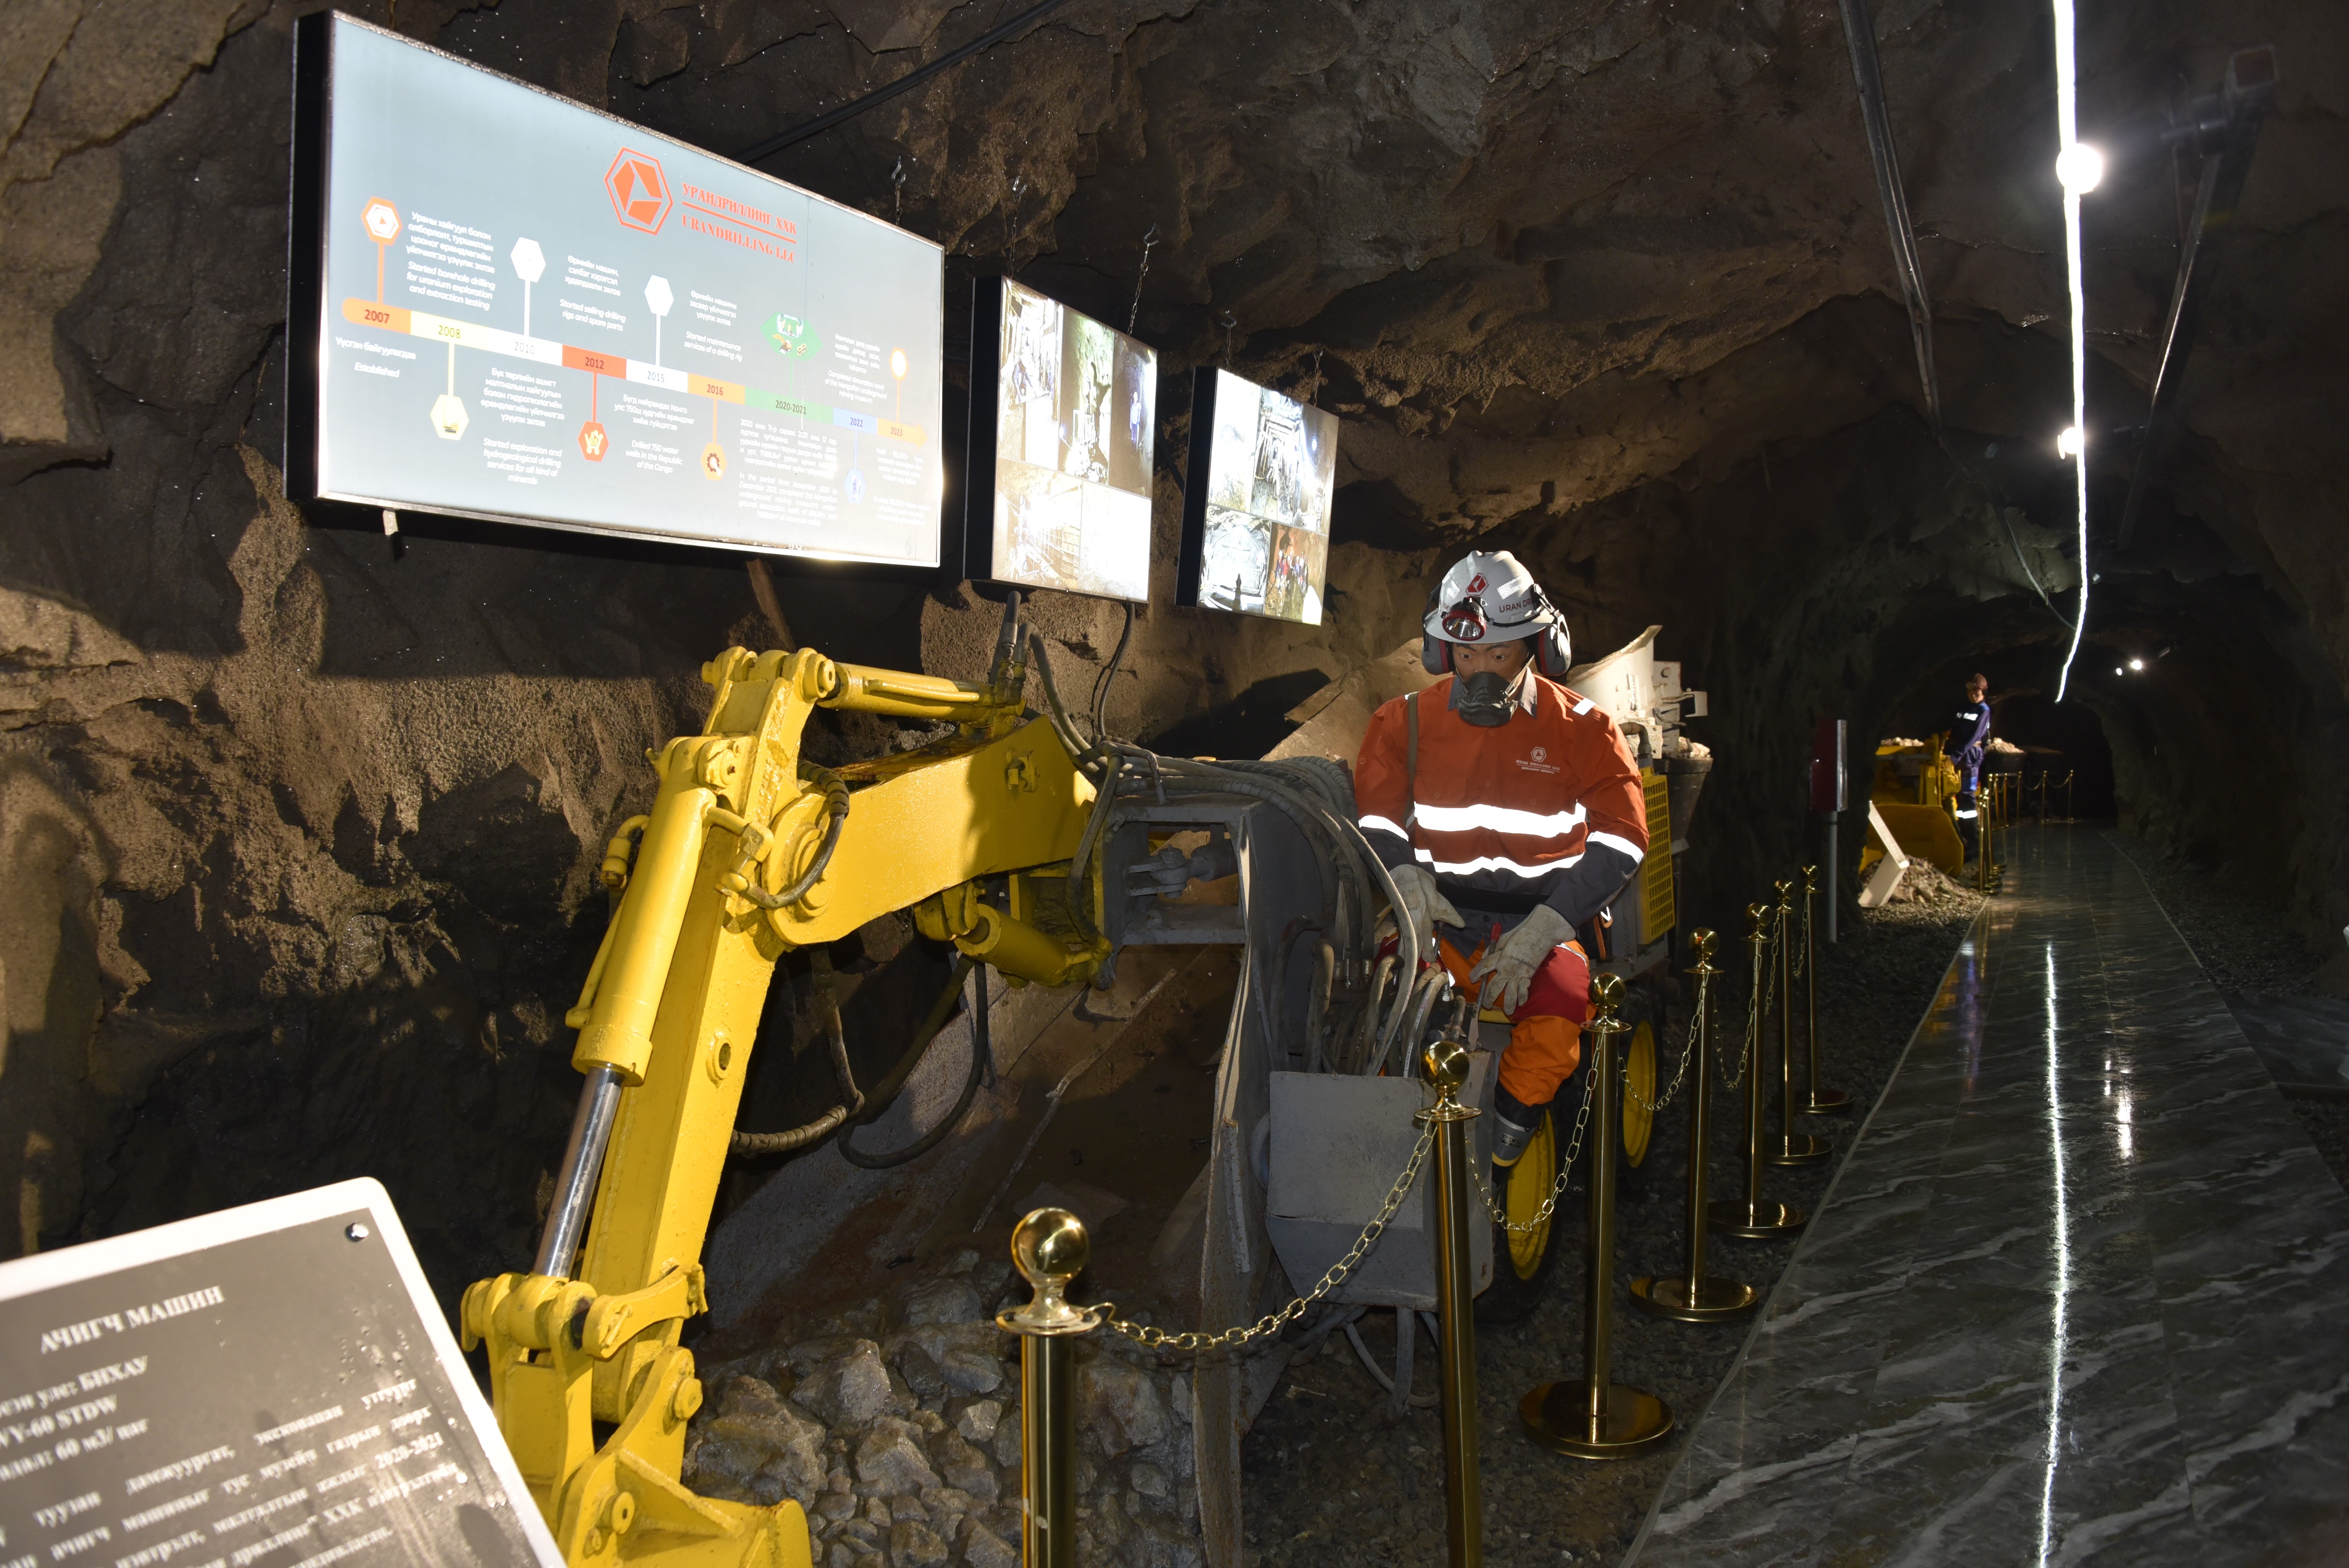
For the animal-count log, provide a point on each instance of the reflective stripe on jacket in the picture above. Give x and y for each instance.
(1969, 738)
(1547, 804)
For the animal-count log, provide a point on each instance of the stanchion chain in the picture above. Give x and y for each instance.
(1688, 1050)
(1558, 1189)
(1757, 1007)
(1802, 953)
(1231, 1339)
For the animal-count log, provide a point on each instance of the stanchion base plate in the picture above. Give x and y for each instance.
(1558, 1415)
(1828, 1102)
(1711, 1301)
(1801, 1148)
(1761, 1223)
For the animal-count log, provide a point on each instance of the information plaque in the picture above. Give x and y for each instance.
(270, 1387)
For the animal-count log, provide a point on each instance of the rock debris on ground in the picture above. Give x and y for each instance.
(896, 1425)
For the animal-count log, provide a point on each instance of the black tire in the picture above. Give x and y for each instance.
(1522, 1272)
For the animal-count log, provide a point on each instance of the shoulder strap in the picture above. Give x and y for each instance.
(1411, 757)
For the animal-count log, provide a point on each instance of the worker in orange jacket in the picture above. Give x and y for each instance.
(1507, 807)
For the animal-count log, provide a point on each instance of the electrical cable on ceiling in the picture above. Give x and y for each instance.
(2077, 168)
(855, 106)
(1860, 38)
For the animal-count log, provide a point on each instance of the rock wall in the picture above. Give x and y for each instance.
(302, 821)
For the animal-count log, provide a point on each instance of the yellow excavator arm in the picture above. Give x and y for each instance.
(749, 853)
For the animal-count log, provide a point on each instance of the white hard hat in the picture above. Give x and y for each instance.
(1487, 597)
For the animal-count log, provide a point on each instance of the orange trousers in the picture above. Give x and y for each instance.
(1545, 1043)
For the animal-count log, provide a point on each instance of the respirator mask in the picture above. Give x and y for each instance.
(1487, 700)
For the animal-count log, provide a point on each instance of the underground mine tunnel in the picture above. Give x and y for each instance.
(752, 649)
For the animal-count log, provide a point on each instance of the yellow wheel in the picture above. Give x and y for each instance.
(1639, 1092)
(1523, 1261)
(1530, 1181)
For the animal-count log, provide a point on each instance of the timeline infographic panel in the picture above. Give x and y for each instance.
(530, 310)
(1257, 531)
(1075, 413)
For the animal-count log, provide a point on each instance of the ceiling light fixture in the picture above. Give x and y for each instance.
(2136, 663)
(2071, 443)
(2079, 168)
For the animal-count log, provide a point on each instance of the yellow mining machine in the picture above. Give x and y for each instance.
(1001, 839)
(749, 853)
(1034, 850)
(1915, 792)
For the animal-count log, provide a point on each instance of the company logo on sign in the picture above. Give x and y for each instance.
(639, 190)
(1541, 753)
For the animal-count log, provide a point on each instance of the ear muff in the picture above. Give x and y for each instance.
(1434, 653)
(1553, 652)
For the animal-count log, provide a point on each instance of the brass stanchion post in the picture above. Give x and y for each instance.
(1051, 1248)
(1694, 1297)
(1592, 1417)
(1790, 1147)
(2067, 793)
(1823, 1101)
(1456, 1303)
(1752, 1218)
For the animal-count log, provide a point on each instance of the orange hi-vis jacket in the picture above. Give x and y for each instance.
(1546, 808)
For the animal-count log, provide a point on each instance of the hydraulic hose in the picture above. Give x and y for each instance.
(822, 1126)
(836, 804)
(1080, 751)
(1108, 677)
(982, 1050)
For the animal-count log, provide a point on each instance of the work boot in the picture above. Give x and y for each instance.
(1514, 1125)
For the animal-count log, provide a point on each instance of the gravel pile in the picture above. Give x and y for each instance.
(897, 1427)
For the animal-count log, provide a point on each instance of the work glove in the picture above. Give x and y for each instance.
(1505, 974)
(1424, 906)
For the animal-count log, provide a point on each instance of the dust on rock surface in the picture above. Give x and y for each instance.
(1328, 1482)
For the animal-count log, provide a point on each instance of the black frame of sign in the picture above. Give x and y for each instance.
(984, 425)
(1191, 553)
(305, 325)
(979, 454)
(1190, 560)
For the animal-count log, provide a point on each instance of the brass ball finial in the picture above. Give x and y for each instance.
(1757, 916)
(1606, 994)
(1701, 943)
(1810, 879)
(1051, 1244)
(1051, 1248)
(1446, 1060)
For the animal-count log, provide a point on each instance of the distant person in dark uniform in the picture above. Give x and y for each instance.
(1968, 740)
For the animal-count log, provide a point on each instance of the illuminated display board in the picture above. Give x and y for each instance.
(512, 307)
(1064, 414)
(1256, 519)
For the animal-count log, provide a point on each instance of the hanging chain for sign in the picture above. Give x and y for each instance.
(1272, 1323)
(1558, 1189)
